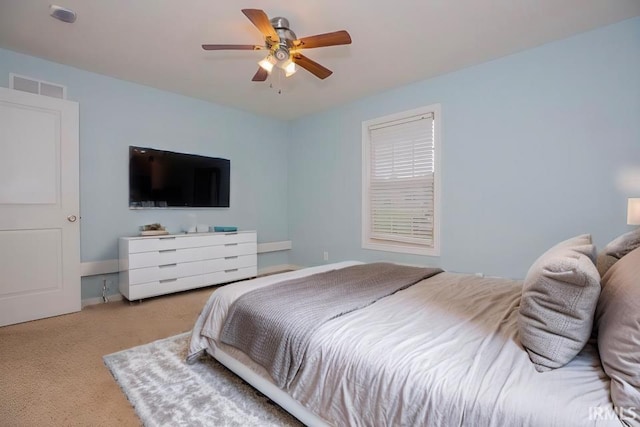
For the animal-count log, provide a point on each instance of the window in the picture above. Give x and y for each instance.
(400, 180)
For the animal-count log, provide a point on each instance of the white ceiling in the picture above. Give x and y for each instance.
(157, 42)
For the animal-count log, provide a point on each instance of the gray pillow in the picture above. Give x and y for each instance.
(559, 298)
(618, 323)
(604, 263)
(624, 244)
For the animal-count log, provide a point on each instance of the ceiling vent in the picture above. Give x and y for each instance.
(39, 87)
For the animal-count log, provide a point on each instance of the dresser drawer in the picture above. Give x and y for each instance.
(229, 249)
(228, 238)
(167, 271)
(230, 275)
(164, 257)
(228, 263)
(151, 244)
(161, 287)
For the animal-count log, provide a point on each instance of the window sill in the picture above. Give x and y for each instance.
(406, 249)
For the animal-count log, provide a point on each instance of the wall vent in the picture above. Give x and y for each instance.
(39, 87)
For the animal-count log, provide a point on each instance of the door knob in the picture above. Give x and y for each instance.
(72, 218)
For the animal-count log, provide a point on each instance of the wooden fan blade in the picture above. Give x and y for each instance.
(262, 23)
(321, 40)
(232, 47)
(260, 75)
(311, 66)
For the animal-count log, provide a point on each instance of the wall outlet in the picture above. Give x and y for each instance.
(326, 256)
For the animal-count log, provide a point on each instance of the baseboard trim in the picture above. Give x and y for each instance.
(277, 269)
(98, 300)
(109, 266)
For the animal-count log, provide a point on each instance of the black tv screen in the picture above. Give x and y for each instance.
(162, 179)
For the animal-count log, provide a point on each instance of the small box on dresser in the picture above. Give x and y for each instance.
(158, 265)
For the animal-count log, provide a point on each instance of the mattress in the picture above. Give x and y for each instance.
(442, 352)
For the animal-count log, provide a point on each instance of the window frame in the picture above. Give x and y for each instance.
(389, 246)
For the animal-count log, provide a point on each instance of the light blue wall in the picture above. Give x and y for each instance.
(115, 114)
(533, 146)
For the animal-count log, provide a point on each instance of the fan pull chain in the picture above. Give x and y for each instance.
(278, 87)
(279, 91)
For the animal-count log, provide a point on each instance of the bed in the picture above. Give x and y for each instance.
(444, 351)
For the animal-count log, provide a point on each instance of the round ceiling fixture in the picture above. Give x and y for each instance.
(62, 14)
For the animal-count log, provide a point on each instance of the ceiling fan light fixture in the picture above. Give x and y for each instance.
(283, 46)
(289, 68)
(267, 63)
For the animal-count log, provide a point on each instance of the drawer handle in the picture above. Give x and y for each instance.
(231, 271)
(231, 233)
(168, 238)
(230, 257)
(167, 250)
(168, 280)
(231, 244)
(168, 265)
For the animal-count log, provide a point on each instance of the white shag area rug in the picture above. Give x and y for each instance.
(165, 391)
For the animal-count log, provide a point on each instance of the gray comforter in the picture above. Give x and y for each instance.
(273, 325)
(443, 352)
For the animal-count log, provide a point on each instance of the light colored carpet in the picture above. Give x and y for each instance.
(166, 391)
(52, 372)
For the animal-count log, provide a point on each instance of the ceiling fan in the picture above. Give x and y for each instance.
(284, 47)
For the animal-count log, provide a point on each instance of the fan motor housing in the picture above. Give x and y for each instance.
(280, 22)
(281, 25)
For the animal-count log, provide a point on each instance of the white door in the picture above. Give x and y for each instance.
(39, 204)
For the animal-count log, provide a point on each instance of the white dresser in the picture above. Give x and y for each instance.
(158, 265)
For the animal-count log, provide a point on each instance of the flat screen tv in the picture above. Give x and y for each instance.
(164, 179)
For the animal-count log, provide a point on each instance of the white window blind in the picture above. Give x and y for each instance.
(401, 181)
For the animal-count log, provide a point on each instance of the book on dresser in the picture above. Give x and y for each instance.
(158, 265)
